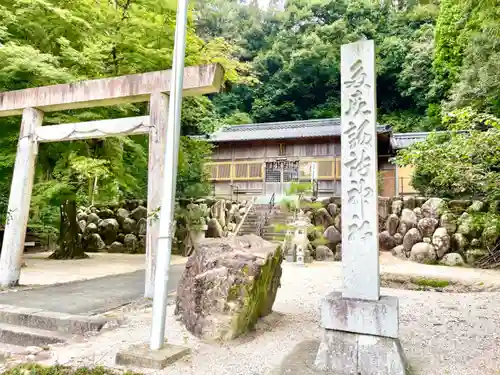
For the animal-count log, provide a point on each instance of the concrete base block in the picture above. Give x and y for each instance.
(344, 353)
(300, 361)
(50, 321)
(378, 318)
(142, 356)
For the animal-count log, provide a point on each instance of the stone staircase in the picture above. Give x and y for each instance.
(255, 218)
(251, 224)
(270, 232)
(21, 326)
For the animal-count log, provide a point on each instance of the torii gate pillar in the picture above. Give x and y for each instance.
(32, 103)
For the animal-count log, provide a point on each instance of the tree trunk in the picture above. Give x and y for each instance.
(70, 242)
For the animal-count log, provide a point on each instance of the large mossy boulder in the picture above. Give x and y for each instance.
(227, 285)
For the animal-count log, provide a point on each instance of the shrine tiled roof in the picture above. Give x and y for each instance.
(404, 140)
(282, 130)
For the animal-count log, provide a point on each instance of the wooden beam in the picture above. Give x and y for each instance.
(93, 129)
(198, 80)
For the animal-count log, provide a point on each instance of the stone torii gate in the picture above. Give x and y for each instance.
(32, 103)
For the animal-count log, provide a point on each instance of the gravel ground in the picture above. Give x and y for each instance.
(441, 333)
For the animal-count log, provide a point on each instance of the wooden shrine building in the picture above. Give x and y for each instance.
(264, 159)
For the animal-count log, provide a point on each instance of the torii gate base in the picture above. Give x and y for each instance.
(32, 103)
(142, 356)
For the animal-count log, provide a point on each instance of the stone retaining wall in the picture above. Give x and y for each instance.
(425, 230)
(121, 228)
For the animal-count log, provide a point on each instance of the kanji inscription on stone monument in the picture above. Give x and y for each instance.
(361, 327)
(359, 172)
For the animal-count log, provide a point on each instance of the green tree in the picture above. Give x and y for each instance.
(298, 60)
(462, 163)
(55, 41)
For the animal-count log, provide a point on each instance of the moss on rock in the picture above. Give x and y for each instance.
(259, 296)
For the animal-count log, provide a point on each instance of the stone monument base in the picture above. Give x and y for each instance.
(360, 337)
(302, 361)
(345, 353)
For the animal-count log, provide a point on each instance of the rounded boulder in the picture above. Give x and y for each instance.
(452, 260)
(333, 209)
(121, 215)
(423, 253)
(324, 253)
(409, 218)
(129, 225)
(333, 235)
(108, 229)
(397, 207)
(398, 238)
(433, 208)
(412, 237)
(92, 218)
(441, 241)
(427, 225)
(399, 252)
(459, 243)
(386, 241)
(448, 221)
(391, 224)
(324, 218)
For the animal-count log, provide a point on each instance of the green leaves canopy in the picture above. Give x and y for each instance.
(44, 42)
(462, 163)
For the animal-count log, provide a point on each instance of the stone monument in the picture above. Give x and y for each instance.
(360, 327)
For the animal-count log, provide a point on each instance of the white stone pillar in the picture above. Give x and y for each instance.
(158, 115)
(360, 262)
(19, 199)
(360, 327)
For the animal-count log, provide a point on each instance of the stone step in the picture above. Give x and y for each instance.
(273, 230)
(26, 336)
(273, 239)
(50, 321)
(274, 234)
(251, 222)
(273, 220)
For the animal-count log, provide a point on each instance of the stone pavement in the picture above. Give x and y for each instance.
(88, 297)
(41, 270)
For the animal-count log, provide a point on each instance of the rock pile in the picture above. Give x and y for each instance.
(325, 237)
(121, 228)
(416, 228)
(435, 230)
(227, 285)
(114, 229)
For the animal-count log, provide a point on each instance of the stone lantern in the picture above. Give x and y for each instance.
(300, 242)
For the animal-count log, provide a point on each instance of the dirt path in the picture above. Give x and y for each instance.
(441, 333)
(43, 271)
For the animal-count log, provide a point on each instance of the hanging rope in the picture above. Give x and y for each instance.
(75, 131)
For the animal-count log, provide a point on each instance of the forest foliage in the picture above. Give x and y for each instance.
(434, 59)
